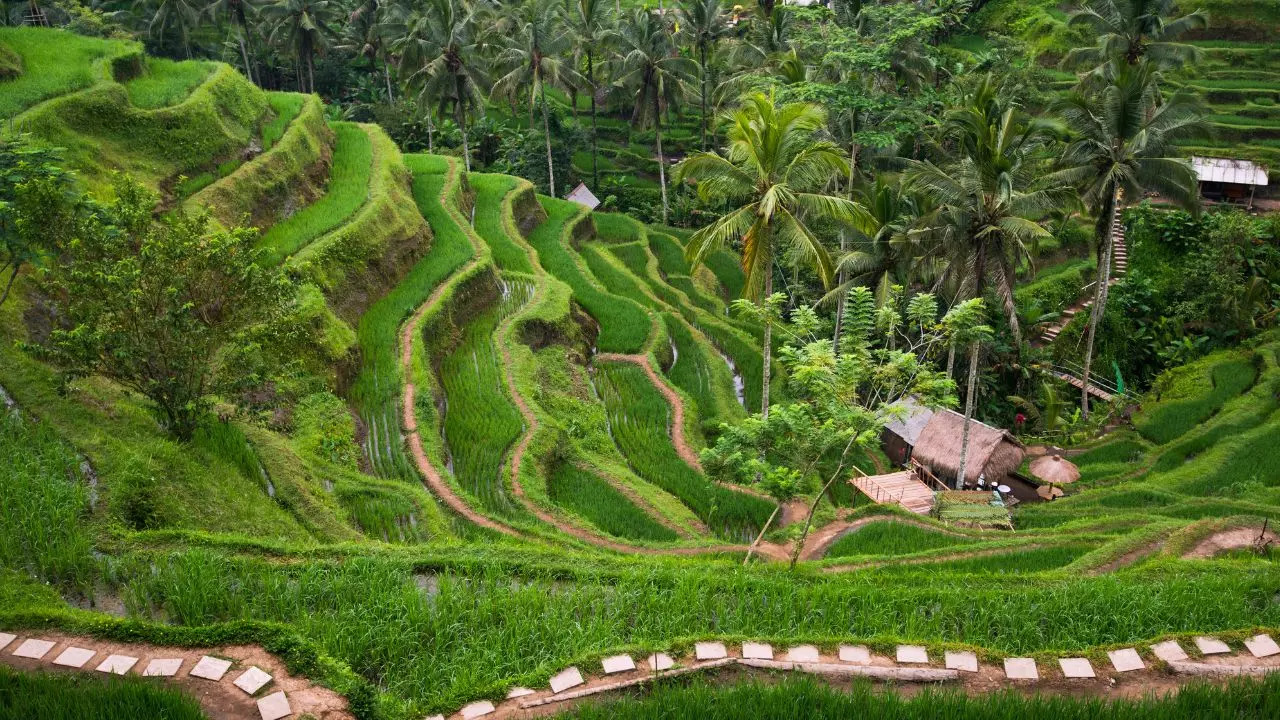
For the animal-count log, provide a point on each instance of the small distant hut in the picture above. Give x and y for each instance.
(932, 438)
(584, 197)
(1229, 180)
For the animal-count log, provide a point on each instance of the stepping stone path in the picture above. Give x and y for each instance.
(617, 664)
(117, 664)
(1211, 646)
(1076, 667)
(5, 639)
(211, 668)
(162, 667)
(519, 692)
(963, 661)
(1021, 669)
(757, 651)
(912, 654)
(855, 654)
(34, 649)
(252, 680)
(1262, 646)
(660, 661)
(274, 707)
(803, 653)
(710, 651)
(475, 710)
(1169, 651)
(74, 657)
(565, 679)
(1126, 660)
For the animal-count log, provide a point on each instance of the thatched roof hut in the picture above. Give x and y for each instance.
(992, 452)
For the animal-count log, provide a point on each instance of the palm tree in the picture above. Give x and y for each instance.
(655, 74)
(178, 15)
(366, 33)
(1124, 144)
(775, 167)
(705, 23)
(591, 22)
(238, 11)
(965, 324)
(539, 37)
(443, 57)
(988, 194)
(304, 26)
(1130, 31)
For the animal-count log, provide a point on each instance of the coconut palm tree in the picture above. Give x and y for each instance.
(1124, 144)
(181, 16)
(238, 11)
(656, 76)
(1130, 31)
(538, 39)
(705, 23)
(443, 59)
(367, 34)
(304, 26)
(591, 21)
(988, 195)
(775, 167)
(965, 324)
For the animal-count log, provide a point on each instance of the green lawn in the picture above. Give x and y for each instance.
(52, 68)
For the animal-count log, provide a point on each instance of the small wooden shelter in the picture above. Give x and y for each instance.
(932, 438)
(1229, 180)
(584, 197)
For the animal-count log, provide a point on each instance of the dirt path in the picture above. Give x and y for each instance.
(1224, 540)
(220, 700)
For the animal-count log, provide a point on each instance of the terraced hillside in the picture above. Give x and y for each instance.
(485, 469)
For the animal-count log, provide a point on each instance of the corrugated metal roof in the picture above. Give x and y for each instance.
(912, 423)
(1225, 170)
(583, 196)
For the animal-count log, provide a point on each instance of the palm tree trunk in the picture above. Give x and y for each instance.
(595, 146)
(1099, 302)
(244, 55)
(835, 337)
(702, 48)
(546, 133)
(951, 360)
(386, 71)
(311, 68)
(662, 169)
(767, 352)
(969, 399)
(462, 123)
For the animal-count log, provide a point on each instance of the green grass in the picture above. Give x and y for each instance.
(285, 107)
(670, 254)
(377, 388)
(892, 538)
(624, 325)
(602, 505)
(53, 65)
(85, 696)
(480, 421)
(491, 192)
(639, 420)
(166, 82)
(1192, 394)
(695, 372)
(1017, 562)
(728, 270)
(793, 696)
(347, 191)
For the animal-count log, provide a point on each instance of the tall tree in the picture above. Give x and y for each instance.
(538, 38)
(304, 27)
(445, 62)
(988, 194)
(238, 11)
(34, 206)
(368, 34)
(655, 74)
(591, 22)
(965, 324)
(705, 23)
(1124, 135)
(1129, 31)
(775, 167)
(181, 16)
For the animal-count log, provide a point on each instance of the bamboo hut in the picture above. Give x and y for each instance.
(933, 437)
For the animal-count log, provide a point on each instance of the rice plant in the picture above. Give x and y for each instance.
(491, 192)
(694, 371)
(670, 254)
(348, 188)
(166, 82)
(624, 325)
(602, 505)
(285, 107)
(640, 422)
(480, 421)
(892, 538)
(51, 68)
(1193, 393)
(377, 388)
(90, 696)
(615, 279)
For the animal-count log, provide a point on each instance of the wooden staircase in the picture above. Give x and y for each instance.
(1119, 266)
(900, 488)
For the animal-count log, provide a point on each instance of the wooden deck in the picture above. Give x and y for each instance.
(900, 488)
(1094, 390)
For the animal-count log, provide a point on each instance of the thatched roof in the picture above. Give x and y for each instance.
(992, 451)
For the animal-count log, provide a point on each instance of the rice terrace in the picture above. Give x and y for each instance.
(681, 359)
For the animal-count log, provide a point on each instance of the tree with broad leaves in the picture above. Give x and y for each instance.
(33, 186)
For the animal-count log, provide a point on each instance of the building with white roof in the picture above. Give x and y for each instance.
(1229, 180)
